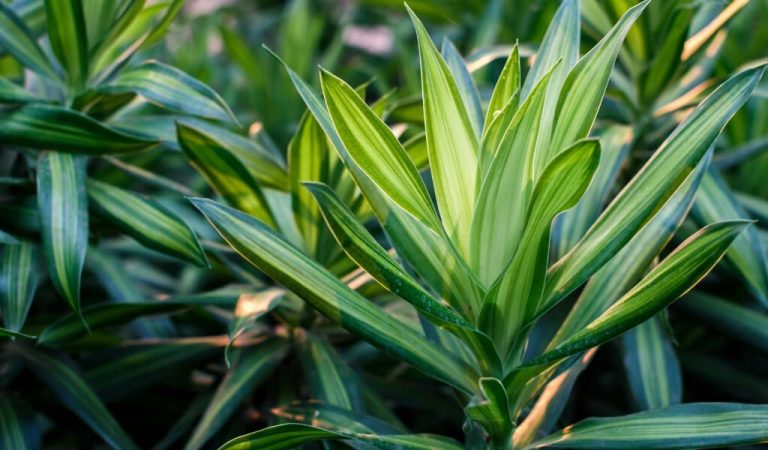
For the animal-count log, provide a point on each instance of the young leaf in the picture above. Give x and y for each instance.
(46, 127)
(17, 39)
(665, 283)
(288, 266)
(146, 221)
(63, 208)
(19, 276)
(69, 39)
(465, 84)
(170, 88)
(695, 425)
(451, 142)
(506, 87)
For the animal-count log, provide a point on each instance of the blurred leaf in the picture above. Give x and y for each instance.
(63, 207)
(18, 40)
(146, 221)
(745, 324)
(252, 366)
(19, 277)
(69, 39)
(21, 430)
(77, 395)
(451, 142)
(695, 425)
(170, 88)
(51, 127)
(288, 266)
(329, 378)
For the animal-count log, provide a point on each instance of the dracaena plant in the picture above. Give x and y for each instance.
(481, 254)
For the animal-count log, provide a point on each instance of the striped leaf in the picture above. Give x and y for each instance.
(493, 411)
(651, 187)
(19, 277)
(288, 266)
(465, 84)
(46, 127)
(14, 334)
(329, 378)
(21, 429)
(146, 221)
(12, 93)
(741, 322)
(172, 89)
(715, 202)
(515, 297)
(666, 282)
(63, 206)
(334, 418)
(376, 150)
(695, 425)
(451, 141)
(504, 90)
(252, 365)
(69, 39)
(653, 370)
(17, 39)
(224, 171)
(75, 393)
(291, 435)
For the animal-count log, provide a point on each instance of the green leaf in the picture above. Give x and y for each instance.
(583, 89)
(668, 56)
(14, 334)
(225, 172)
(500, 208)
(17, 39)
(13, 93)
(506, 87)
(695, 425)
(19, 277)
(333, 418)
(653, 370)
(288, 266)
(362, 248)
(76, 395)
(69, 39)
(376, 151)
(63, 208)
(146, 221)
(651, 187)
(51, 127)
(715, 202)
(172, 89)
(248, 310)
(465, 84)
(329, 378)
(665, 283)
(291, 435)
(252, 366)
(21, 430)
(451, 142)
(493, 411)
(741, 322)
(515, 297)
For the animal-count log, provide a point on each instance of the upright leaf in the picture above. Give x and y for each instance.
(17, 39)
(21, 430)
(19, 276)
(465, 84)
(63, 208)
(69, 38)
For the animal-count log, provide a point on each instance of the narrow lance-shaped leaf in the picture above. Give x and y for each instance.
(285, 264)
(63, 208)
(516, 295)
(493, 411)
(17, 39)
(170, 88)
(666, 282)
(506, 86)
(583, 89)
(376, 151)
(358, 243)
(225, 172)
(19, 276)
(47, 127)
(21, 429)
(499, 216)
(77, 395)
(465, 84)
(69, 38)
(146, 221)
(748, 325)
(695, 425)
(252, 366)
(292, 435)
(451, 142)
(714, 202)
(651, 187)
(12, 93)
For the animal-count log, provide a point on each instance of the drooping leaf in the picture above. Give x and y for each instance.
(288, 266)
(63, 206)
(19, 277)
(252, 366)
(47, 127)
(146, 221)
(695, 425)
